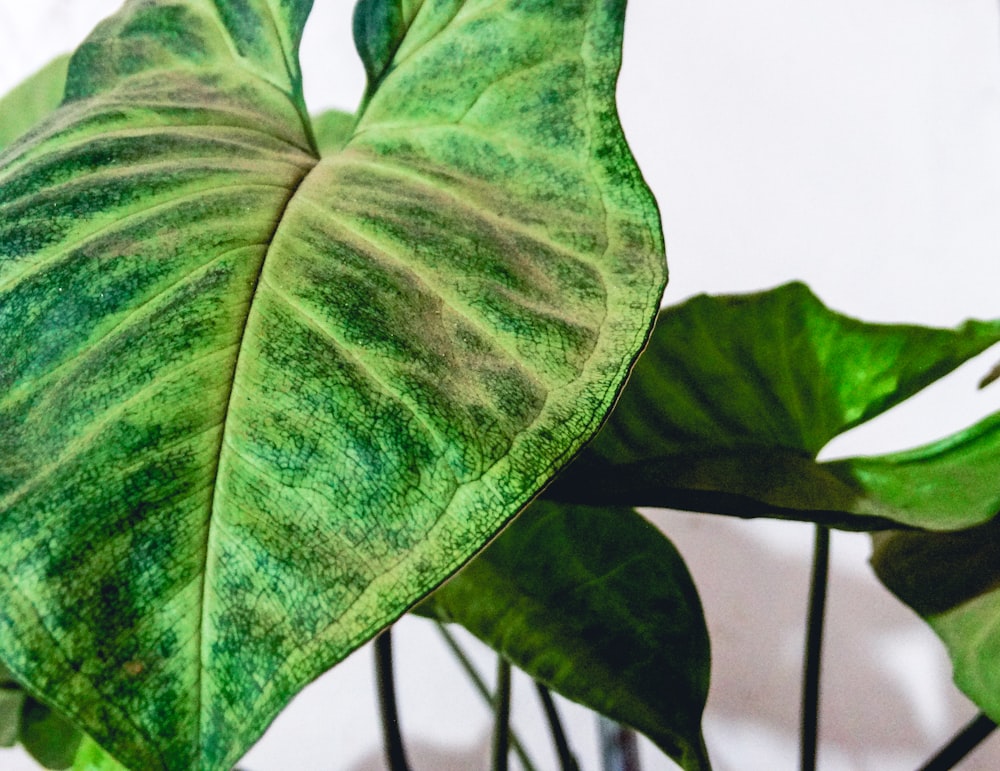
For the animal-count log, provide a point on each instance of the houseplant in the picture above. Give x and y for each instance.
(144, 30)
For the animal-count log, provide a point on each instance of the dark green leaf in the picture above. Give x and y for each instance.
(380, 26)
(32, 100)
(953, 581)
(598, 605)
(734, 397)
(254, 405)
(47, 736)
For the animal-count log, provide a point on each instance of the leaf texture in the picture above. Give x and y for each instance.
(254, 405)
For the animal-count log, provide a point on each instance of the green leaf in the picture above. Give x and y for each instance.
(332, 130)
(381, 26)
(598, 605)
(952, 580)
(734, 397)
(12, 700)
(255, 405)
(47, 736)
(31, 101)
(90, 757)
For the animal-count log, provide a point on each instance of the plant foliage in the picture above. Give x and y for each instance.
(269, 380)
(256, 404)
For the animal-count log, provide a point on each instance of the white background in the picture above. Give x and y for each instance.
(854, 144)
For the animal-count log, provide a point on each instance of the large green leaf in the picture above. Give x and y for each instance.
(32, 100)
(597, 604)
(255, 405)
(734, 397)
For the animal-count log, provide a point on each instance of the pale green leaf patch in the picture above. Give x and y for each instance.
(32, 100)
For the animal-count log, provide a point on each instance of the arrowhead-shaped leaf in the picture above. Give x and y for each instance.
(253, 405)
(597, 604)
(734, 397)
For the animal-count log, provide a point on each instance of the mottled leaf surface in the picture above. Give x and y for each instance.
(254, 405)
(734, 397)
(32, 100)
(597, 604)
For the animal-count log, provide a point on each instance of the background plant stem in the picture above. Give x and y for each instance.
(393, 739)
(566, 760)
(501, 709)
(809, 737)
(964, 742)
(480, 686)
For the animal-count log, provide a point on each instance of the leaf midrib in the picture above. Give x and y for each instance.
(211, 527)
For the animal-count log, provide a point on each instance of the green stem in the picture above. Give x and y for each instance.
(809, 740)
(964, 742)
(480, 686)
(501, 711)
(566, 760)
(619, 748)
(393, 739)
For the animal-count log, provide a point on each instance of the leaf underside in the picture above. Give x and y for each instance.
(599, 606)
(254, 405)
(952, 580)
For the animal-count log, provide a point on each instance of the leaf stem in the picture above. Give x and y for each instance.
(619, 749)
(501, 711)
(480, 686)
(392, 737)
(566, 760)
(964, 742)
(809, 737)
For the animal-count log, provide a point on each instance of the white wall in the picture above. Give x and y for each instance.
(854, 144)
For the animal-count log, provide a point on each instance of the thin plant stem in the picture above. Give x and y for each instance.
(619, 748)
(482, 690)
(566, 760)
(501, 712)
(964, 742)
(809, 737)
(395, 754)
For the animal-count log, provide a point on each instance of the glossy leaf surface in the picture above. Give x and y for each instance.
(734, 397)
(254, 405)
(597, 604)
